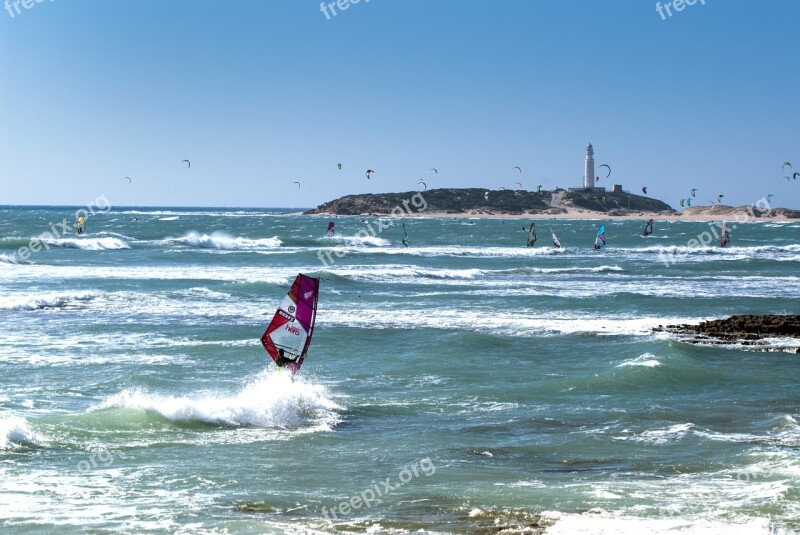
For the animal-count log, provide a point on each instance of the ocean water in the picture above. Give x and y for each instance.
(465, 384)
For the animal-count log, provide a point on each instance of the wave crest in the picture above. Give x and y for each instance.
(270, 400)
(226, 242)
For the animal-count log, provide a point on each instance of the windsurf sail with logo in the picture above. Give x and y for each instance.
(532, 235)
(648, 228)
(725, 239)
(556, 243)
(600, 239)
(289, 334)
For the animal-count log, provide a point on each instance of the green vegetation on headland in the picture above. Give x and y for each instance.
(500, 202)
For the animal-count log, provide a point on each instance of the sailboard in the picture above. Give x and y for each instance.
(725, 239)
(532, 235)
(600, 239)
(556, 243)
(289, 333)
(405, 236)
(648, 228)
(331, 229)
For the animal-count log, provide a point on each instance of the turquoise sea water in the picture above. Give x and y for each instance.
(465, 384)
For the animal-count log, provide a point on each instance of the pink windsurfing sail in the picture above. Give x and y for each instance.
(289, 334)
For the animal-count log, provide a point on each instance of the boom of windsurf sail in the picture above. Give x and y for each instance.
(648, 228)
(293, 324)
(600, 239)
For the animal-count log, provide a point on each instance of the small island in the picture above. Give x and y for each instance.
(747, 330)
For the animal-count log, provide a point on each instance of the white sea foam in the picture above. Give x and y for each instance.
(360, 241)
(88, 244)
(40, 301)
(8, 259)
(222, 241)
(271, 400)
(647, 360)
(15, 431)
(598, 522)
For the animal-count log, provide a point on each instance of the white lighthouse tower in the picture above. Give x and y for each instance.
(588, 176)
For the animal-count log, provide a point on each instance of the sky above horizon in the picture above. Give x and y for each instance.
(260, 94)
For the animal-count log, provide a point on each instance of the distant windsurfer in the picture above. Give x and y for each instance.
(283, 360)
(725, 239)
(405, 241)
(331, 230)
(81, 224)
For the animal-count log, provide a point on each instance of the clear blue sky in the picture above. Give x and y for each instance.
(260, 93)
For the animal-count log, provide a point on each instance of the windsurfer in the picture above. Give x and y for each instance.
(283, 360)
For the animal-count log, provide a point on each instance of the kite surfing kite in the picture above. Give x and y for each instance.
(769, 197)
(644, 190)
(369, 173)
(519, 184)
(331, 229)
(128, 179)
(424, 185)
(340, 166)
(682, 202)
(600, 239)
(689, 201)
(785, 165)
(796, 175)
(532, 235)
(648, 228)
(188, 163)
(539, 189)
(725, 239)
(556, 243)
(694, 192)
(519, 169)
(298, 184)
(719, 198)
(609, 169)
(435, 172)
(289, 334)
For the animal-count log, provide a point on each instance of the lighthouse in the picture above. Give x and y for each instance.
(588, 176)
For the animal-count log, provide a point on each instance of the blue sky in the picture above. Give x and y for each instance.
(258, 94)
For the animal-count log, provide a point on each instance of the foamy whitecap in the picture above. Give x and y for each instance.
(271, 400)
(226, 242)
(15, 431)
(361, 241)
(8, 259)
(88, 244)
(648, 360)
(43, 301)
